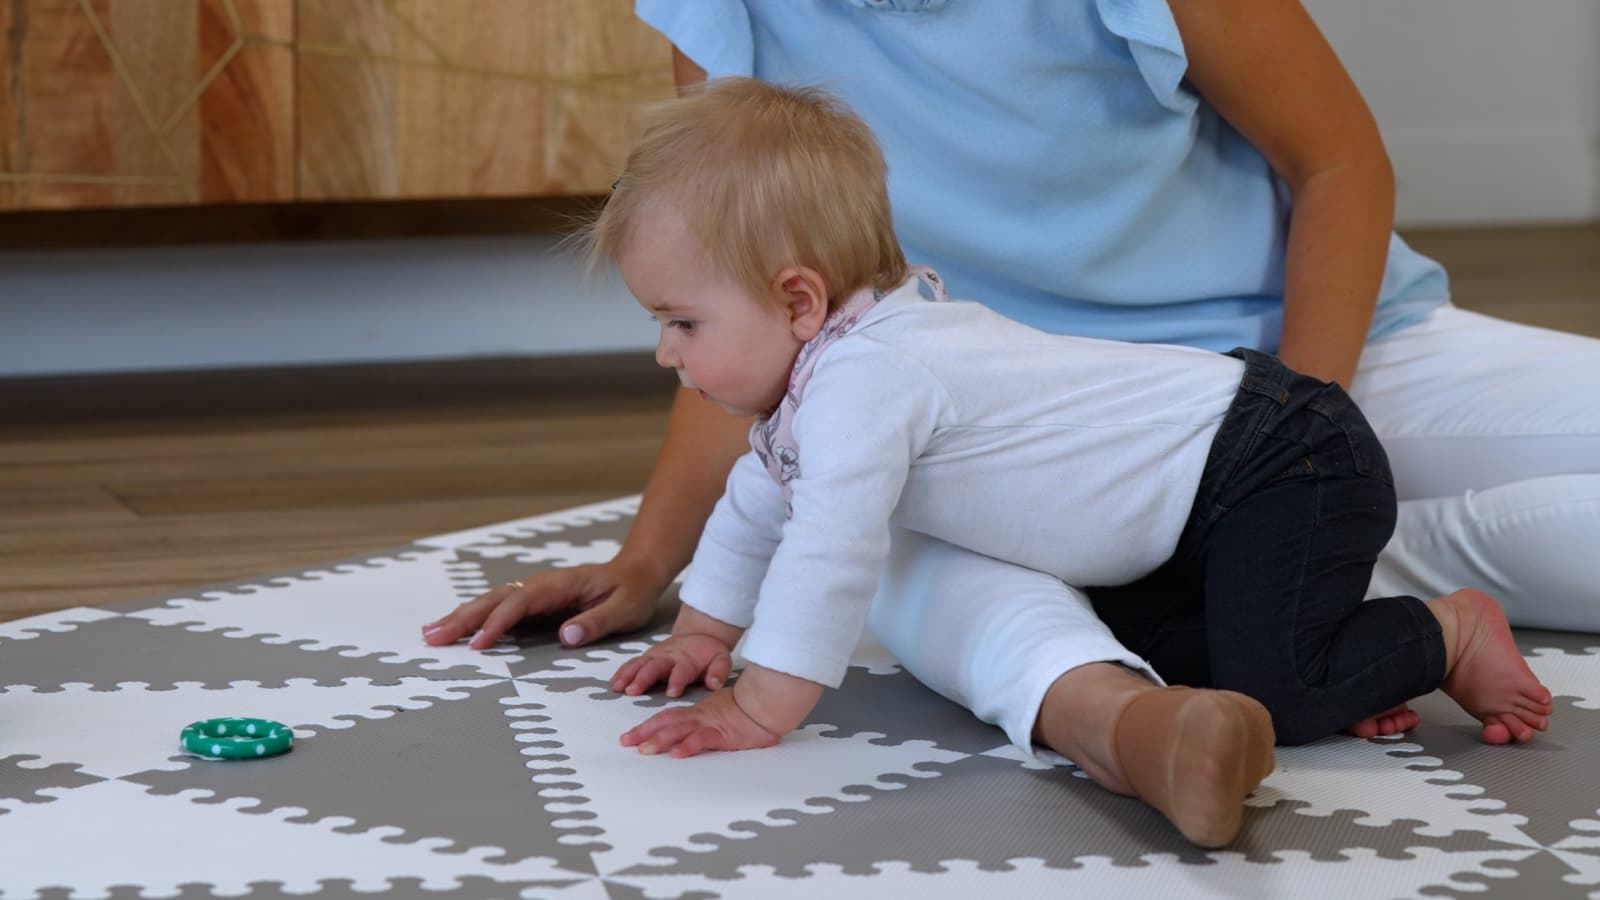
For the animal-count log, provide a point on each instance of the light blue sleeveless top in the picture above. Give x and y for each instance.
(1048, 159)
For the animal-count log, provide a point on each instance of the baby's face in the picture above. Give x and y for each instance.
(734, 348)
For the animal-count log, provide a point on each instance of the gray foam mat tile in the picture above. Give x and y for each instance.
(470, 888)
(23, 778)
(1531, 640)
(536, 650)
(897, 707)
(450, 770)
(608, 520)
(123, 649)
(478, 567)
(1051, 815)
(1537, 875)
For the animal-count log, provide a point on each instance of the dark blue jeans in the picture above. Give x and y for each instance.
(1264, 593)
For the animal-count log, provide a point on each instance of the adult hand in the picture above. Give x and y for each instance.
(715, 723)
(682, 659)
(611, 597)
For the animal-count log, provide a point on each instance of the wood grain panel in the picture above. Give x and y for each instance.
(410, 98)
(608, 63)
(11, 50)
(346, 119)
(156, 55)
(473, 125)
(73, 131)
(428, 121)
(166, 102)
(245, 117)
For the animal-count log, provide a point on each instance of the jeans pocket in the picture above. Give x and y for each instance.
(1367, 455)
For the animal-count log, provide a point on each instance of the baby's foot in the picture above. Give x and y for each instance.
(1489, 678)
(1195, 755)
(1395, 720)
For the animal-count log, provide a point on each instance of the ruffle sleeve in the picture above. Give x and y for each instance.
(715, 34)
(1156, 46)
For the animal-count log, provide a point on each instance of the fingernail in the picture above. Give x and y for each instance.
(648, 749)
(475, 637)
(431, 628)
(572, 634)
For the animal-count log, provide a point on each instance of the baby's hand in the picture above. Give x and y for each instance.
(683, 659)
(715, 723)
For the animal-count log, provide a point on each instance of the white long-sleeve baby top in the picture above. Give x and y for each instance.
(1072, 456)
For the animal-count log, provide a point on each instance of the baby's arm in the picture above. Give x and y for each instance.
(700, 648)
(761, 707)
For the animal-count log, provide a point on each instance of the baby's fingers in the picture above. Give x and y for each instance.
(717, 673)
(684, 673)
(625, 674)
(651, 670)
(660, 731)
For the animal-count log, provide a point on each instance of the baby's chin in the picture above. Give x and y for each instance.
(743, 412)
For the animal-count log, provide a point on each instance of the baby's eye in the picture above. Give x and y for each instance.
(684, 325)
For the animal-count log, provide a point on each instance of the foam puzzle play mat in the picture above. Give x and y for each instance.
(450, 773)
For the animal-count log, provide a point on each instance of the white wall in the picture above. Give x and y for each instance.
(1491, 111)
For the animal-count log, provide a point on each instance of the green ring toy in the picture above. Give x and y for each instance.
(235, 738)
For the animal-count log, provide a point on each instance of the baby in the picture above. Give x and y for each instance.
(1223, 511)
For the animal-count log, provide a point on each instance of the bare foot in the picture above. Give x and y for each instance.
(1395, 720)
(1487, 675)
(1195, 755)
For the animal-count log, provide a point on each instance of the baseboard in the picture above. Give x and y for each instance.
(531, 383)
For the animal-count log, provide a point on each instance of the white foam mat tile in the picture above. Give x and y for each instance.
(642, 802)
(376, 608)
(1570, 674)
(114, 833)
(131, 729)
(1392, 788)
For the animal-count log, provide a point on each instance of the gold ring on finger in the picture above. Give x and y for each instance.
(514, 585)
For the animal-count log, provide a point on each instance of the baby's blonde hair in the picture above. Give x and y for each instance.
(765, 177)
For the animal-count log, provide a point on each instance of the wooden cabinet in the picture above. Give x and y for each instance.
(107, 103)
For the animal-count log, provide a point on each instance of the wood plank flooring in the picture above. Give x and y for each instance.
(112, 488)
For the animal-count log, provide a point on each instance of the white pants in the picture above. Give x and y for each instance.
(1493, 431)
(989, 635)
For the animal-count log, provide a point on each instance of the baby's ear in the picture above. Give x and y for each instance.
(804, 295)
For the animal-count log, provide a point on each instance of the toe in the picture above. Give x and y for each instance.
(1366, 728)
(1495, 732)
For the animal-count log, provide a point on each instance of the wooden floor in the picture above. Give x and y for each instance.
(115, 488)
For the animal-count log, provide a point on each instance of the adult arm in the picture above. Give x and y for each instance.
(1268, 71)
(696, 455)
